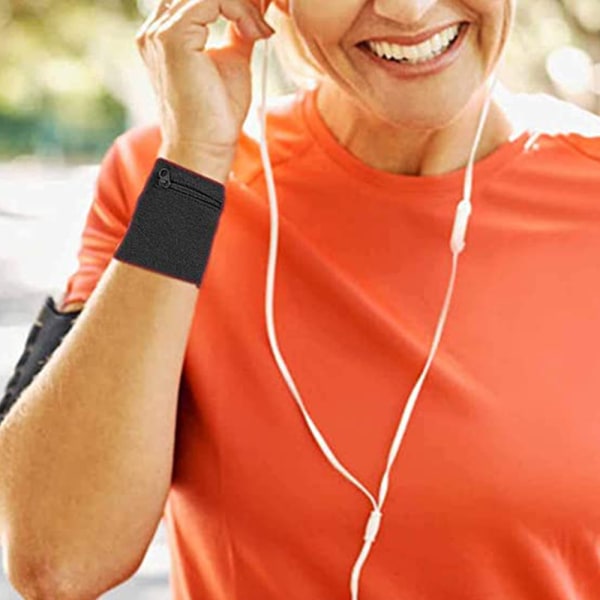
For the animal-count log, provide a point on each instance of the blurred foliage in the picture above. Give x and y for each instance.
(543, 26)
(54, 98)
(65, 90)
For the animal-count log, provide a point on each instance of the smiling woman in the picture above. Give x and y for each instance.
(169, 397)
(420, 68)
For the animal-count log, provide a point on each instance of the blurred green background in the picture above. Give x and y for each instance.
(71, 79)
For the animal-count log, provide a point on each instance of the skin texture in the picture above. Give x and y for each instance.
(422, 126)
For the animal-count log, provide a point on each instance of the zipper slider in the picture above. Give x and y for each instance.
(164, 178)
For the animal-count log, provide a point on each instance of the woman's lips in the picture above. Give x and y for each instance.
(406, 70)
(417, 39)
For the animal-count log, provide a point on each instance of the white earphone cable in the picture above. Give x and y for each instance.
(457, 245)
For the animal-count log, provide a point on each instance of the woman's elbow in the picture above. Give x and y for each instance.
(42, 580)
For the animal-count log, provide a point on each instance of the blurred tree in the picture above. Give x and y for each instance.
(54, 98)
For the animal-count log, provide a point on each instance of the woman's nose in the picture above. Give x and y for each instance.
(405, 11)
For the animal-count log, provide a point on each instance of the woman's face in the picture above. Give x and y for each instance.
(413, 89)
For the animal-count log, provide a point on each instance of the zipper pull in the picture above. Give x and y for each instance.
(164, 178)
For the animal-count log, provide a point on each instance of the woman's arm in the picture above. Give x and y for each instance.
(87, 451)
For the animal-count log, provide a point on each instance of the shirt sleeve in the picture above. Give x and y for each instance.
(106, 223)
(588, 145)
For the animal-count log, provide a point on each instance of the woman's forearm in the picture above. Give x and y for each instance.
(87, 451)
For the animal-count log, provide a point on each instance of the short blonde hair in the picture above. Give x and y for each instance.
(291, 50)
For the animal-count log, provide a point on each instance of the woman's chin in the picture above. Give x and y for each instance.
(416, 115)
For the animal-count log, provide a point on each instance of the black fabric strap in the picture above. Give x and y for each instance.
(174, 223)
(45, 335)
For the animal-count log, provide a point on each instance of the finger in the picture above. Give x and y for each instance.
(237, 37)
(245, 13)
(162, 7)
(248, 22)
(241, 42)
(169, 15)
(240, 36)
(263, 5)
(185, 25)
(159, 16)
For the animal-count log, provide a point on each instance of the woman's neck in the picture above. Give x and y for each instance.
(409, 151)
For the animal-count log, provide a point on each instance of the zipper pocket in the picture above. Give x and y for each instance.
(165, 181)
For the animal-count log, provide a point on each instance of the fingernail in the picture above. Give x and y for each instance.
(266, 29)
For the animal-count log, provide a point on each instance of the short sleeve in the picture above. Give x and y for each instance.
(120, 180)
(588, 145)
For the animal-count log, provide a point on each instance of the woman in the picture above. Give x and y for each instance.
(166, 388)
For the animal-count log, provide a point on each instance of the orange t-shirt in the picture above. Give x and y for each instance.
(495, 494)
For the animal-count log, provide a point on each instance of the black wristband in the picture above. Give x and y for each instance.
(174, 223)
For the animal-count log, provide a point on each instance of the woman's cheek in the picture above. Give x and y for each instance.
(326, 21)
(495, 18)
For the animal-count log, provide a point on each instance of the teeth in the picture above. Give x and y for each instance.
(417, 53)
(412, 53)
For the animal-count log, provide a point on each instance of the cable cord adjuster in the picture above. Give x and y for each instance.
(463, 210)
(373, 525)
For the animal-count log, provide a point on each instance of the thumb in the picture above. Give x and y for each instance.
(237, 41)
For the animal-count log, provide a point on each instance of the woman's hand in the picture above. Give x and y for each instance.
(203, 95)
